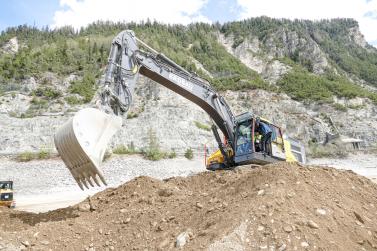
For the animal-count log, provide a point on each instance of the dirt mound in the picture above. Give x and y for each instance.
(276, 207)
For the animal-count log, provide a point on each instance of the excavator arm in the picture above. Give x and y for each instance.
(127, 61)
(82, 152)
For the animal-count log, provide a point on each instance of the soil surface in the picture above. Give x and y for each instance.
(276, 207)
(43, 185)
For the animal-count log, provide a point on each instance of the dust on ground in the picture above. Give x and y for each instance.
(276, 207)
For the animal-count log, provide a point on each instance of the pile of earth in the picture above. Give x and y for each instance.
(276, 207)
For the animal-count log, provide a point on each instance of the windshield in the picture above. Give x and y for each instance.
(243, 145)
(5, 185)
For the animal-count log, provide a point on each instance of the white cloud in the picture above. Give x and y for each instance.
(314, 10)
(79, 13)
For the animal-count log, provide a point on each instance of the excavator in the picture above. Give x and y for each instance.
(82, 140)
(6, 194)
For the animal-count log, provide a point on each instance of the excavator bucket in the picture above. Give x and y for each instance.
(82, 141)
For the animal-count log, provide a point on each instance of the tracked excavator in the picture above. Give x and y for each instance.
(82, 141)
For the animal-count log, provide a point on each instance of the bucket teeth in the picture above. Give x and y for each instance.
(96, 180)
(82, 141)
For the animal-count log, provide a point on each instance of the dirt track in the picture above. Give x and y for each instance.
(278, 207)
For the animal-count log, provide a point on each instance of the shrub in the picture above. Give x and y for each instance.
(122, 149)
(73, 100)
(172, 155)
(47, 92)
(132, 115)
(303, 85)
(25, 156)
(85, 88)
(189, 154)
(44, 154)
(153, 151)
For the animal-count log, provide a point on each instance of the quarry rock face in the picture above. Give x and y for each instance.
(173, 119)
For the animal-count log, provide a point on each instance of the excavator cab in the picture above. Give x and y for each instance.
(6, 194)
(248, 149)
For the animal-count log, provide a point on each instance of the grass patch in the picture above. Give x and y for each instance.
(122, 149)
(73, 100)
(47, 92)
(202, 126)
(132, 115)
(29, 156)
(340, 107)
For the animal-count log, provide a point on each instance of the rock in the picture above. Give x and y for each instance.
(304, 244)
(84, 207)
(282, 247)
(165, 192)
(260, 228)
(288, 228)
(123, 210)
(182, 239)
(320, 211)
(312, 224)
(126, 221)
(358, 217)
(25, 243)
(199, 205)
(260, 192)
(45, 242)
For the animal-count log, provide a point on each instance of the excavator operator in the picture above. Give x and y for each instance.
(266, 132)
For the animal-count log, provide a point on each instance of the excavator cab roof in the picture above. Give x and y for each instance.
(247, 116)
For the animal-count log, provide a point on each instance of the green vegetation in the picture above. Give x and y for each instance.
(303, 85)
(73, 100)
(28, 156)
(44, 154)
(25, 156)
(47, 93)
(340, 107)
(153, 151)
(189, 154)
(132, 115)
(122, 149)
(202, 126)
(172, 155)
(85, 88)
(65, 51)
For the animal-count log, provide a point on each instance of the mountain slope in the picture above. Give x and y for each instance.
(326, 66)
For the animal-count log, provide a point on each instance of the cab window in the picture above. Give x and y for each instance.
(243, 145)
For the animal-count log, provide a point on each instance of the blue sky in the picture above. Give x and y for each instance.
(56, 13)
